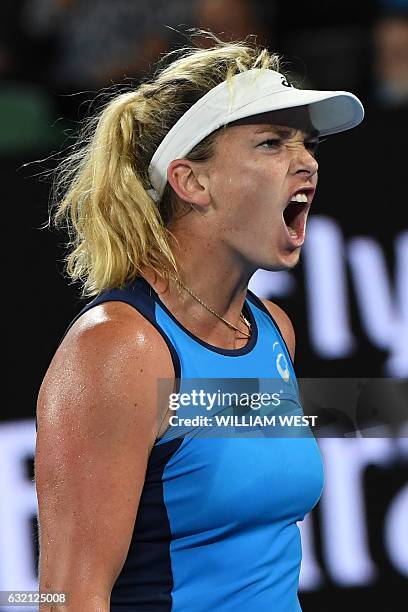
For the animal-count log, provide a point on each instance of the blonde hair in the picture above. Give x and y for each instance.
(100, 190)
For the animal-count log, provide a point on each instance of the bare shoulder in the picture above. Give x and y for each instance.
(112, 324)
(284, 323)
(116, 326)
(111, 357)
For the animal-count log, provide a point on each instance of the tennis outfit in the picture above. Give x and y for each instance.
(216, 524)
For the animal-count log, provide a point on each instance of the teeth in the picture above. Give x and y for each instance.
(299, 197)
(292, 232)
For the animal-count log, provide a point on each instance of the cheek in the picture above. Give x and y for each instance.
(250, 181)
(248, 201)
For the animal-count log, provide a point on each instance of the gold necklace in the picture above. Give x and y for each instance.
(200, 301)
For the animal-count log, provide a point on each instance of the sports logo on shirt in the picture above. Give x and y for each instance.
(282, 364)
(282, 367)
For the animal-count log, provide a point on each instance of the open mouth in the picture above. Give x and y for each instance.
(294, 217)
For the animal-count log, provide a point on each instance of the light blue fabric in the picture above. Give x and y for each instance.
(233, 502)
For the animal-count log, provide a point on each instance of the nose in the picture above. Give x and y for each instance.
(303, 161)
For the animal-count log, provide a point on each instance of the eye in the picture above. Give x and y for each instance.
(270, 143)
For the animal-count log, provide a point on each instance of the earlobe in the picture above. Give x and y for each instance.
(189, 185)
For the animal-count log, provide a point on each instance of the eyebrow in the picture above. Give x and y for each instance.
(286, 132)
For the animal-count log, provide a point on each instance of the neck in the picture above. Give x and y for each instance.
(217, 279)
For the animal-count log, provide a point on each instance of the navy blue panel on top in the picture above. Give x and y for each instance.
(146, 577)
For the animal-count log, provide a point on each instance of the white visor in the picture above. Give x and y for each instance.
(246, 94)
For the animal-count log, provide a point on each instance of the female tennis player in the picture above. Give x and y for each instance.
(180, 190)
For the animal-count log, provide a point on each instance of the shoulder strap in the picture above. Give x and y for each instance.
(258, 302)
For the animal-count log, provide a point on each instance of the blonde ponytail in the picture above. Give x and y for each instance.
(115, 227)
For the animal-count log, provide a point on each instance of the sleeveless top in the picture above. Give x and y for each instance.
(216, 523)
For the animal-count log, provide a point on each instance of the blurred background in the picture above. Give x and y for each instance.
(348, 297)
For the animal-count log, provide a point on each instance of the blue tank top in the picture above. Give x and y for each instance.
(216, 528)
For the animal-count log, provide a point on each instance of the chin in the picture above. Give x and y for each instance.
(284, 261)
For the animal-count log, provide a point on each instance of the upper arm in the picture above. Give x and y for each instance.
(285, 325)
(97, 421)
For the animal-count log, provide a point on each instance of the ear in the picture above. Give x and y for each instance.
(189, 181)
